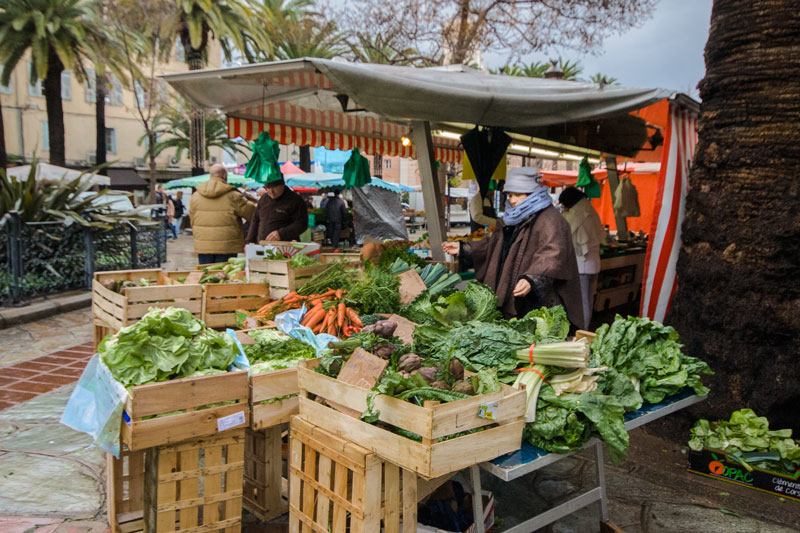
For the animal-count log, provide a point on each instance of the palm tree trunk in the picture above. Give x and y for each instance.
(3, 154)
(100, 121)
(194, 58)
(55, 111)
(737, 304)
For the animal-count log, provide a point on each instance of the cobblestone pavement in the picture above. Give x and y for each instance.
(41, 337)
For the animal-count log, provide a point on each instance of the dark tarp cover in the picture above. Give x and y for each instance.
(378, 214)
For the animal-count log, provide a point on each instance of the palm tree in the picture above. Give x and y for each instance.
(55, 31)
(175, 129)
(736, 304)
(369, 48)
(602, 79)
(537, 69)
(194, 22)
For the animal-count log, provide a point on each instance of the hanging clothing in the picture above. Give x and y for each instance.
(468, 174)
(626, 199)
(539, 247)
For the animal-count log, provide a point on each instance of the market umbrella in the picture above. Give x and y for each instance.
(194, 181)
(290, 168)
(263, 165)
(356, 170)
(485, 148)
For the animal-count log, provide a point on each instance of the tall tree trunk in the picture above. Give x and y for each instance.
(305, 158)
(737, 303)
(3, 154)
(151, 161)
(100, 120)
(55, 111)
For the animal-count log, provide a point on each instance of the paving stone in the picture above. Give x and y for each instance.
(23, 524)
(15, 396)
(35, 311)
(33, 386)
(55, 380)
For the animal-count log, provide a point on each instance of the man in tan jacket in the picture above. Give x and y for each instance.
(216, 211)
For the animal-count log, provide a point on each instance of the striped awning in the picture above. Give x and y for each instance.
(295, 124)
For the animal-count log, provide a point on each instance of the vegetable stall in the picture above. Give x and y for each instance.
(433, 381)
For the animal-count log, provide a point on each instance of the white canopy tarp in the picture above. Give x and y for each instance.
(46, 171)
(408, 93)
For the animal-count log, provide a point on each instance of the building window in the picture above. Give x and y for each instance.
(45, 136)
(388, 163)
(180, 53)
(34, 89)
(115, 93)
(90, 86)
(111, 140)
(66, 85)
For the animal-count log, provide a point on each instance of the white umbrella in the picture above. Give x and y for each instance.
(46, 171)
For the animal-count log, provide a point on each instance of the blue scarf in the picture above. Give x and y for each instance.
(535, 202)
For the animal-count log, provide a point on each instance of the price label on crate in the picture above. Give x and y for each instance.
(230, 421)
(489, 410)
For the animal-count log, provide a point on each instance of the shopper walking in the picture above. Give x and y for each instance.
(216, 211)
(179, 209)
(335, 217)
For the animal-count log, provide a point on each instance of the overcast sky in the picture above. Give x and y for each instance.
(666, 52)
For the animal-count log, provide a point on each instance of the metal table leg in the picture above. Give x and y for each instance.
(477, 498)
(601, 481)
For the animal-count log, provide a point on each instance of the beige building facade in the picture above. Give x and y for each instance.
(25, 119)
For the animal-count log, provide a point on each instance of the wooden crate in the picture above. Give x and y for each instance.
(281, 276)
(338, 486)
(327, 258)
(118, 310)
(125, 491)
(195, 485)
(141, 430)
(432, 457)
(222, 300)
(100, 332)
(269, 386)
(265, 488)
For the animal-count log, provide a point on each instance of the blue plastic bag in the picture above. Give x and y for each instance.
(289, 322)
(95, 406)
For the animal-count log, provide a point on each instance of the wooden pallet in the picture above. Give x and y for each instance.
(117, 310)
(196, 485)
(265, 488)
(433, 456)
(337, 486)
(281, 276)
(222, 300)
(125, 491)
(190, 396)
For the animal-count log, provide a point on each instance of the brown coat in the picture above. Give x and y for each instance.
(542, 248)
(216, 211)
(287, 214)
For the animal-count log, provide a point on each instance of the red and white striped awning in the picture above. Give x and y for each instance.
(295, 124)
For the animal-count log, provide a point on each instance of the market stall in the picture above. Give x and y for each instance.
(373, 107)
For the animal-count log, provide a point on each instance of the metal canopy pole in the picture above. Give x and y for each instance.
(613, 183)
(431, 191)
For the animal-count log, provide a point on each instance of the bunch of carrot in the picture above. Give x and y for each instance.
(327, 312)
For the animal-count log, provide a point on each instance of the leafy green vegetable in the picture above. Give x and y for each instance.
(275, 351)
(478, 302)
(302, 260)
(165, 344)
(375, 292)
(745, 432)
(481, 302)
(649, 354)
(336, 276)
(550, 324)
(393, 253)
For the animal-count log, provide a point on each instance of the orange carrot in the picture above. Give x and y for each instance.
(353, 316)
(332, 328)
(339, 294)
(340, 315)
(314, 317)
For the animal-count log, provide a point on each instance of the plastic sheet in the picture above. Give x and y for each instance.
(289, 322)
(95, 406)
(378, 214)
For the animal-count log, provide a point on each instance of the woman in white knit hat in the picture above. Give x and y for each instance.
(529, 260)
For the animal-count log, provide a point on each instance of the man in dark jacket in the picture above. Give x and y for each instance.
(281, 215)
(335, 217)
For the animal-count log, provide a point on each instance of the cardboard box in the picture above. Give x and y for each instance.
(716, 464)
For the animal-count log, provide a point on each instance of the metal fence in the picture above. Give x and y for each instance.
(39, 258)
